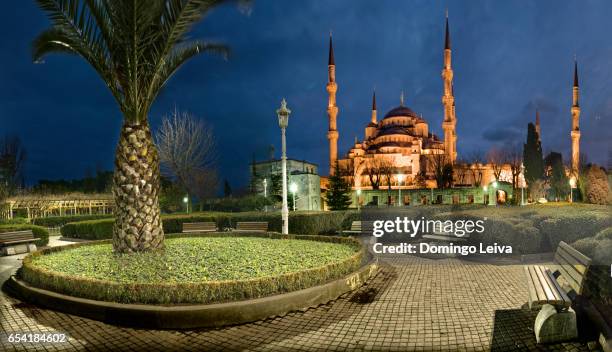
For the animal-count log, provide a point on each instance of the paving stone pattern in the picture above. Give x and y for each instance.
(413, 304)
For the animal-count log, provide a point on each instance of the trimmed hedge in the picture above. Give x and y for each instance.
(307, 223)
(196, 292)
(14, 221)
(38, 231)
(58, 221)
(89, 230)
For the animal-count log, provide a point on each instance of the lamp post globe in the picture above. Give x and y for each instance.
(186, 201)
(283, 120)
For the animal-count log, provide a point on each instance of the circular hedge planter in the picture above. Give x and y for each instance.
(193, 304)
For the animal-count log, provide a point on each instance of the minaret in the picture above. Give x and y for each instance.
(373, 119)
(370, 129)
(448, 100)
(332, 109)
(575, 133)
(537, 126)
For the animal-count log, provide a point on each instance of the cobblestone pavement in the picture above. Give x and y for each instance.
(419, 305)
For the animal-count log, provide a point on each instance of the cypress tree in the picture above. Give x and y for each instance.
(559, 183)
(532, 156)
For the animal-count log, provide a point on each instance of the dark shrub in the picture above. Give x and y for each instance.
(58, 221)
(604, 234)
(306, 223)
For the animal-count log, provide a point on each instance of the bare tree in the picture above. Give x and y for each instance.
(204, 184)
(374, 172)
(442, 169)
(496, 158)
(186, 149)
(462, 170)
(12, 160)
(476, 159)
(348, 171)
(387, 170)
(514, 157)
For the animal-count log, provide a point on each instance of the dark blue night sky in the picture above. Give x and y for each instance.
(509, 58)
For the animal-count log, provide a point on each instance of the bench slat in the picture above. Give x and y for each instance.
(558, 288)
(579, 257)
(540, 290)
(548, 295)
(566, 276)
(563, 258)
(252, 226)
(199, 227)
(16, 237)
(556, 296)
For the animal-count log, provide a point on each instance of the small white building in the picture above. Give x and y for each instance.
(266, 179)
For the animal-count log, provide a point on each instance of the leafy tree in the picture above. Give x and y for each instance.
(12, 161)
(171, 196)
(338, 196)
(559, 183)
(135, 47)
(597, 189)
(532, 156)
(276, 185)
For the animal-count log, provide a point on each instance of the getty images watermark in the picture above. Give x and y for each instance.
(433, 237)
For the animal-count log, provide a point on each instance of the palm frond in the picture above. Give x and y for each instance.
(134, 45)
(178, 56)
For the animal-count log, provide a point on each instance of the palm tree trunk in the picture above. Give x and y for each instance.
(136, 186)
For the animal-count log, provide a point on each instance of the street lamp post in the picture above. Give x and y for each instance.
(358, 196)
(400, 178)
(522, 185)
(186, 201)
(431, 191)
(485, 194)
(495, 191)
(293, 188)
(283, 120)
(572, 183)
(265, 184)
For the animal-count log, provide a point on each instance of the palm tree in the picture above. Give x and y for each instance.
(135, 46)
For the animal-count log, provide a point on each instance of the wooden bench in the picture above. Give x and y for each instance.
(17, 242)
(358, 228)
(195, 227)
(553, 288)
(558, 284)
(251, 226)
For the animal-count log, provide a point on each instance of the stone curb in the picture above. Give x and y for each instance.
(193, 316)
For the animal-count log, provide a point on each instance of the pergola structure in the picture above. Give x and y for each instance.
(44, 206)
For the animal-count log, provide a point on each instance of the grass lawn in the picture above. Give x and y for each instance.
(196, 259)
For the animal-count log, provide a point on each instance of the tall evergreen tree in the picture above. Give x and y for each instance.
(559, 183)
(227, 189)
(532, 156)
(338, 195)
